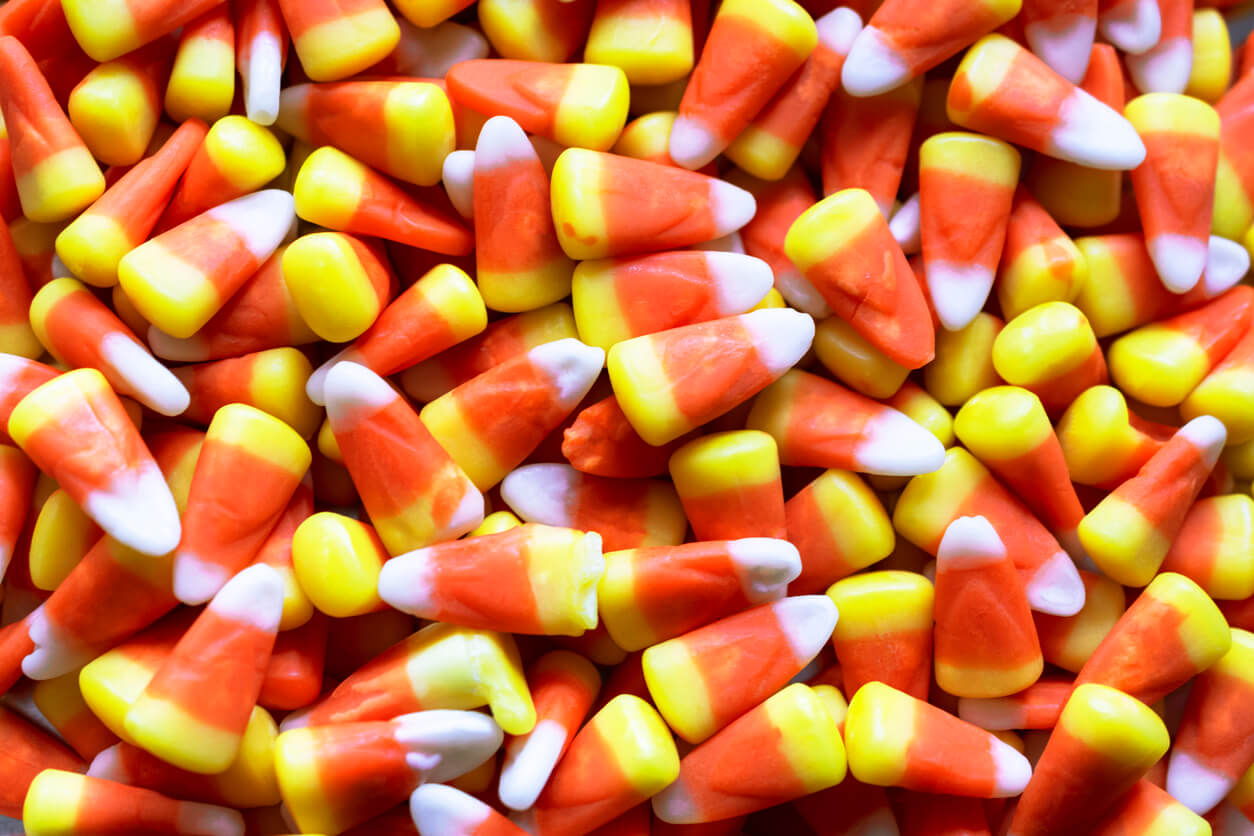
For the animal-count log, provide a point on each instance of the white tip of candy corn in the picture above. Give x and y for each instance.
(730, 206)
(208, 820)
(765, 566)
(196, 580)
(896, 445)
(54, 653)
(1065, 43)
(445, 744)
(352, 393)
(1165, 68)
(177, 349)
(968, 543)
(148, 379)
(316, 385)
(958, 291)
(1194, 784)
(1179, 260)
(692, 144)
(459, 181)
(1133, 26)
(502, 143)
(997, 714)
(1091, 134)
(740, 281)
(262, 219)
(108, 765)
(138, 510)
(873, 66)
(906, 226)
(800, 294)
(1055, 588)
(542, 493)
(527, 768)
(1012, 770)
(572, 367)
(1227, 263)
(838, 29)
(253, 597)
(1208, 434)
(441, 810)
(405, 582)
(263, 79)
(677, 805)
(781, 336)
(807, 621)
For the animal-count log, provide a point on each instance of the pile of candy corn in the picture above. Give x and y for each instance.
(626, 417)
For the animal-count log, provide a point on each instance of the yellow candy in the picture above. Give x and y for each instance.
(327, 445)
(1002, 423)
(1212, 56)
(202, 81)
(855, 516)
(427, 13)
(643, 748)
(520, 29)
(879, 729)
(1157, 365)
(60, 186)
(1051, 271)
(725, 461)
(647, 137)
(1227, 394)
(330, 286)
(495, 523)
(964, 361)
(337, 561)
(343, 46)
(113, 111)
(1096, 435)
(1239, 459)
(772, 299)
(1104, 602)
(593, 108)
(1114, 724)
(879, 603)
(63, 533)
(52, 803)
(855, 362)
(1124, 544)
(834, 701)
(1050, 341)
(809, 735)
(650, 48)
(246, 154)
(1233, 207)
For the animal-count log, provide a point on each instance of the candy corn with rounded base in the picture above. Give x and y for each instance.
(729, 484)
(885, 630)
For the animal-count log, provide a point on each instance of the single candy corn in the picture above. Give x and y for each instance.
(337, 41)
(339, 283)
(1223, 392)
(648, 595)
(797, 749)
(1213, 546)
(989, 94)
(839, 526)
(334, 777)
(1165, 67)
(80, 331)
(885, 631)
(481, 423)
(1104, 742)
(1147, 809)
(893, 739)
(614, 299)
(16, 336)
(864, 141)
(1104, 442)
(576, 105)
(336, 191)
(1175, 185)
(730, 486)
(966, 191)
(202, 80)
(855, 362)
(1172, 632)
(116, 107)
(75, 429)
(1132, 25)
(627, 513)
(1061, 34)
(964, 487)
(440, 666)
(336, 562)
(623, 756)
(95, 242)
(402, 128)
(458, 176)
(1051, 351)
(700, 684)
(845, 250)
(563, 687)
(248, 469)
(520, 264)
(61, 803)
(56, 175)
(1069, 641)
(273, 381)
(297, 663)
(986, 644)
(606, 205)
(444, 582)
(236, 158)
(261, 43)
(1039, 262)
(818, 423)
(537, 31)
(755, 349)
(181, 278)
(105, 34)
(651, 42)
(1129, 533)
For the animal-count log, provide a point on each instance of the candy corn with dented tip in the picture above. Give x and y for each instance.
(885, 631)
(445, 582)
(627, 513)
(415, 494)
(334, 41)
(966, 191)
(583, 105)
(334, 777)
(1171, 633)
(1234, 182)
(729, 484)
(895, 740)
(338, 192)
(1104, 742)
(1129, 533)
(753, 350)
(986, 644)
(80, 331)
(339, 283)
(606, 205)
(706, 678)
(989, 94)
(61, 803)
(649, 595)
(1214, 546)
(202, 80)
(401, 128)
(623, 756)
(797, 750)
(74, 429)
(563, 686)
(481, 423)
(273, 381)
(1166, 66)
(261, 43)
(116, 107)
(1039, 262)
(56, 176)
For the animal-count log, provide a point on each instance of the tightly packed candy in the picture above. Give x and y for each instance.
(626, 417)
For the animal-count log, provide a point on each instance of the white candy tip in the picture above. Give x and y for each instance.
(1013, 770)
(958, 292)
(460, 740)
(573, 367)
(1227, 263)
(176, 349)
(731, 207)
(352, 393)
(1133, 27)
(692, 145)
(502, 142)
(808, 622)
(1208, 434)
(676, 804)
(542, 493)
(1194, 784)
(1165, 68)
(145, 377)
(873, 65)
(138, 510)
(254, 597)
(906, 226)
(1055, 588)
(765, 567)
(459, 181)
(896, 445)
(968, 543)
(1179, 259)
(440, 810)
(781, 336)
(107, 765)
(529, 763)
(405, 582)
(197, 580)
(740, 281)
(1064, 43)
(1089, 133)
(838, 29)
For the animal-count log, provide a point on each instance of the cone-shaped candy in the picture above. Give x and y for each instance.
(651, 42)
(730, 486)
(885, 631)
(1035, 707)
(1146, 810)
(273, 381)
(1214, 545)
(202, 80)
(28, 751)
(337, 40)
(1166, 66)
(261, 43)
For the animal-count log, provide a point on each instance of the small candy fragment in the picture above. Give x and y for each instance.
(1165, 67)
(261, 43)
(273, 381)
(1061, 34)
